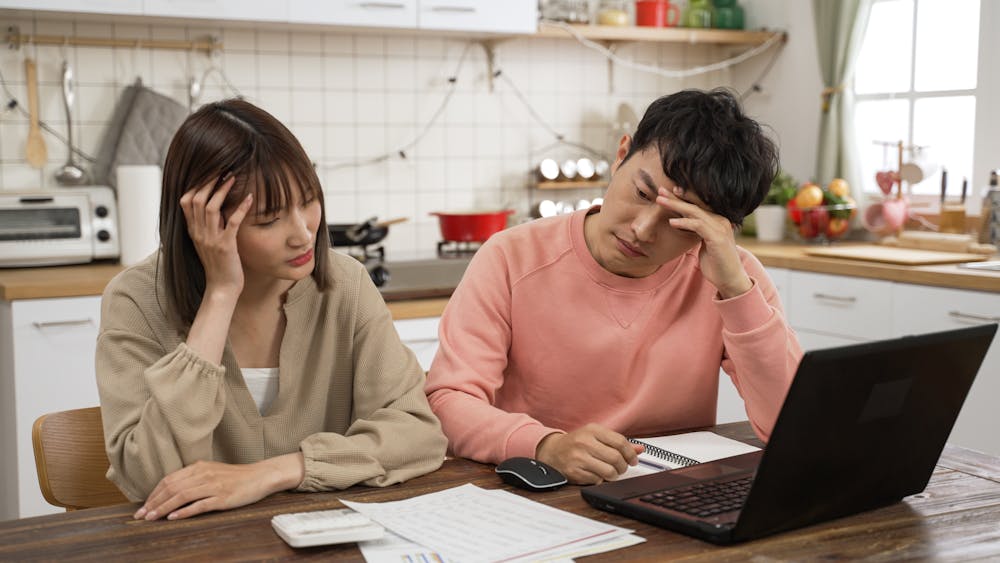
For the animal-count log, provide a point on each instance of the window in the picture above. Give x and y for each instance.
(917, 80)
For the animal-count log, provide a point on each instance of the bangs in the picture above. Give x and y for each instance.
(271, 184)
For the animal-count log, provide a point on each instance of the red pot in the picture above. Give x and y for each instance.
(471, 226)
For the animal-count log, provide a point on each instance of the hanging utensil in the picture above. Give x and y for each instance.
(70, 174)
(35, 152)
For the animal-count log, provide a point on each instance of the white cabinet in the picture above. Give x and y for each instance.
(46, 364)
(370, 13)
(920, 309)
(827, 310)
(512, 16)
(248, 10)
(131, 7)
(421, 336)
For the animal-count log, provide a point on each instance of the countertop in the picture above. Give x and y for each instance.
(90, 279)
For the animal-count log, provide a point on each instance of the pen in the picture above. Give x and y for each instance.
(965, 184)
(653, 465)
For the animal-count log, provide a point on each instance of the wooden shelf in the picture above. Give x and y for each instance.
(659, 34)
(572, 185)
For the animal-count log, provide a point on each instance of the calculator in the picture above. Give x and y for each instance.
(323, 527)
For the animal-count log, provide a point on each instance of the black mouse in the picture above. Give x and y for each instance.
(530, 474)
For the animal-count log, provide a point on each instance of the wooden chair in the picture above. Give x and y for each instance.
(71, 460)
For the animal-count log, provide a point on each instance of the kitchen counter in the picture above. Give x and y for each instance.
(793, 256)
(90, 279)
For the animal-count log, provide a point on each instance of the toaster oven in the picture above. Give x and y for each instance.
(58, 226)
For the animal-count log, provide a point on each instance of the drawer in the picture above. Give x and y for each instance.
(366, 13)
(859, 309)
(512, 16)
(918, 308)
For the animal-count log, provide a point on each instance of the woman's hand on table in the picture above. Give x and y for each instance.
(206, 486)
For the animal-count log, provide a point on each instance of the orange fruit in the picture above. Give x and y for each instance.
(839, 187)
(810, 195)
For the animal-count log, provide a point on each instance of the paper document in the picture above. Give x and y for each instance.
(470, 524)
(681, 450)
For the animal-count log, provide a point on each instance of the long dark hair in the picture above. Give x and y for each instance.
(231, 137)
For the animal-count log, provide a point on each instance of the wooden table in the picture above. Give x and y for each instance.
(956, 518)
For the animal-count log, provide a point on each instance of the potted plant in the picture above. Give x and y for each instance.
(770, 214)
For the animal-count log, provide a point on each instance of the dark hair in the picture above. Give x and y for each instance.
(222, 138)
(707, 144)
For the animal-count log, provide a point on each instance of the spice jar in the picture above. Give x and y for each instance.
(612, 12)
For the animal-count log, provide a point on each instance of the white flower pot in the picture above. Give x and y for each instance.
(770, 223)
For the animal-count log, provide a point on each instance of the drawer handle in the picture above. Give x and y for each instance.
(390, 5)
(464, 9)
(52, 324)
(837, 298)
(970, 317)
(419, 340)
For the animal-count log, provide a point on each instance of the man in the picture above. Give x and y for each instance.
(570, 333)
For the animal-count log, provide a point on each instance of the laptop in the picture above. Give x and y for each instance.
(862, 427)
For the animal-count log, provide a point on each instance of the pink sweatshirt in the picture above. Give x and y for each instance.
(539, 338)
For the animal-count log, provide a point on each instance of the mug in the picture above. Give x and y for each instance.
(699, 13)
(656, 13)
(886, 217)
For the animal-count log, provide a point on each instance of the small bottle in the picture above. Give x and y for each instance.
(989, 230)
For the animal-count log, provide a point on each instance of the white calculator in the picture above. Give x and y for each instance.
(322, 527)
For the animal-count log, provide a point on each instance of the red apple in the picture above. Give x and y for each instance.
(837, 227)
(793, 212)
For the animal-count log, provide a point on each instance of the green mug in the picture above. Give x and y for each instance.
(699, 13)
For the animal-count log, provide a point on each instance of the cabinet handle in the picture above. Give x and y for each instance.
(464, 9)
(419, 340)
(837, 298)
(390, 5)
(52, 324)
(970, 317)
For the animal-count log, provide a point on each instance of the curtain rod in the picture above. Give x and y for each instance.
(15, 41)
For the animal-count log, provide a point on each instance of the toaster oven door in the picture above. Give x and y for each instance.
(37, 230)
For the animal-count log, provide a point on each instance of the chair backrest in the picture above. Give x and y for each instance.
(71, 460)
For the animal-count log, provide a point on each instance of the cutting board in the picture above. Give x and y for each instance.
(894, 255)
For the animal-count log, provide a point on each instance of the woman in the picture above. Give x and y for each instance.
(246, 357)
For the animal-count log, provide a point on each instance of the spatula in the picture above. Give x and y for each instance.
(35, 152)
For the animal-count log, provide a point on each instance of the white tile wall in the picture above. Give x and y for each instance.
(353, 97)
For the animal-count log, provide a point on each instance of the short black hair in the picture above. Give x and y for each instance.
(707, 144)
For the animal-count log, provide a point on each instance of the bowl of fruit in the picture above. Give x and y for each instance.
(822, 214)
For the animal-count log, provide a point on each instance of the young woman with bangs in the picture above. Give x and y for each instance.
(245, 357)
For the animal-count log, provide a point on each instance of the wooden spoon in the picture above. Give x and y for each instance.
(35, 151)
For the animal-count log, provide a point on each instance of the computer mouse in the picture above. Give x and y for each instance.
(530, 474)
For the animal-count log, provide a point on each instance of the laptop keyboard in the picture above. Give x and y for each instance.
(703, 499)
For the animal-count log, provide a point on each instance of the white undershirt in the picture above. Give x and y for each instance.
(263, 386)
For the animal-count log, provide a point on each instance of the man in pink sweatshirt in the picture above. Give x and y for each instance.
(568, 334)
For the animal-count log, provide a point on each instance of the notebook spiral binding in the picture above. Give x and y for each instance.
(667, 455)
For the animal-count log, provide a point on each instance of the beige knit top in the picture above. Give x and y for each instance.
(350, 393)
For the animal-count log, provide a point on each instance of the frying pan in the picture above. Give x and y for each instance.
(366, 233)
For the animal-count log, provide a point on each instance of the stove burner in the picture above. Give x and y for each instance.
(457, 248)
(372, 258)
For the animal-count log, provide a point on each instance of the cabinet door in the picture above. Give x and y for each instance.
(133, 7)
(919, 309)
(512, 16)
(363, 13)
(421, 336)
(779, 277)
(53, 346)
(252, 10)
(851, 308)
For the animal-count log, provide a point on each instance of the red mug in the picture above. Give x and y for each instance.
(656, 13)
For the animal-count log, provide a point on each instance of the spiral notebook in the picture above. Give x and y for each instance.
(681, 450)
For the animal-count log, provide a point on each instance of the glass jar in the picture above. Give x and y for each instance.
(612, 12)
